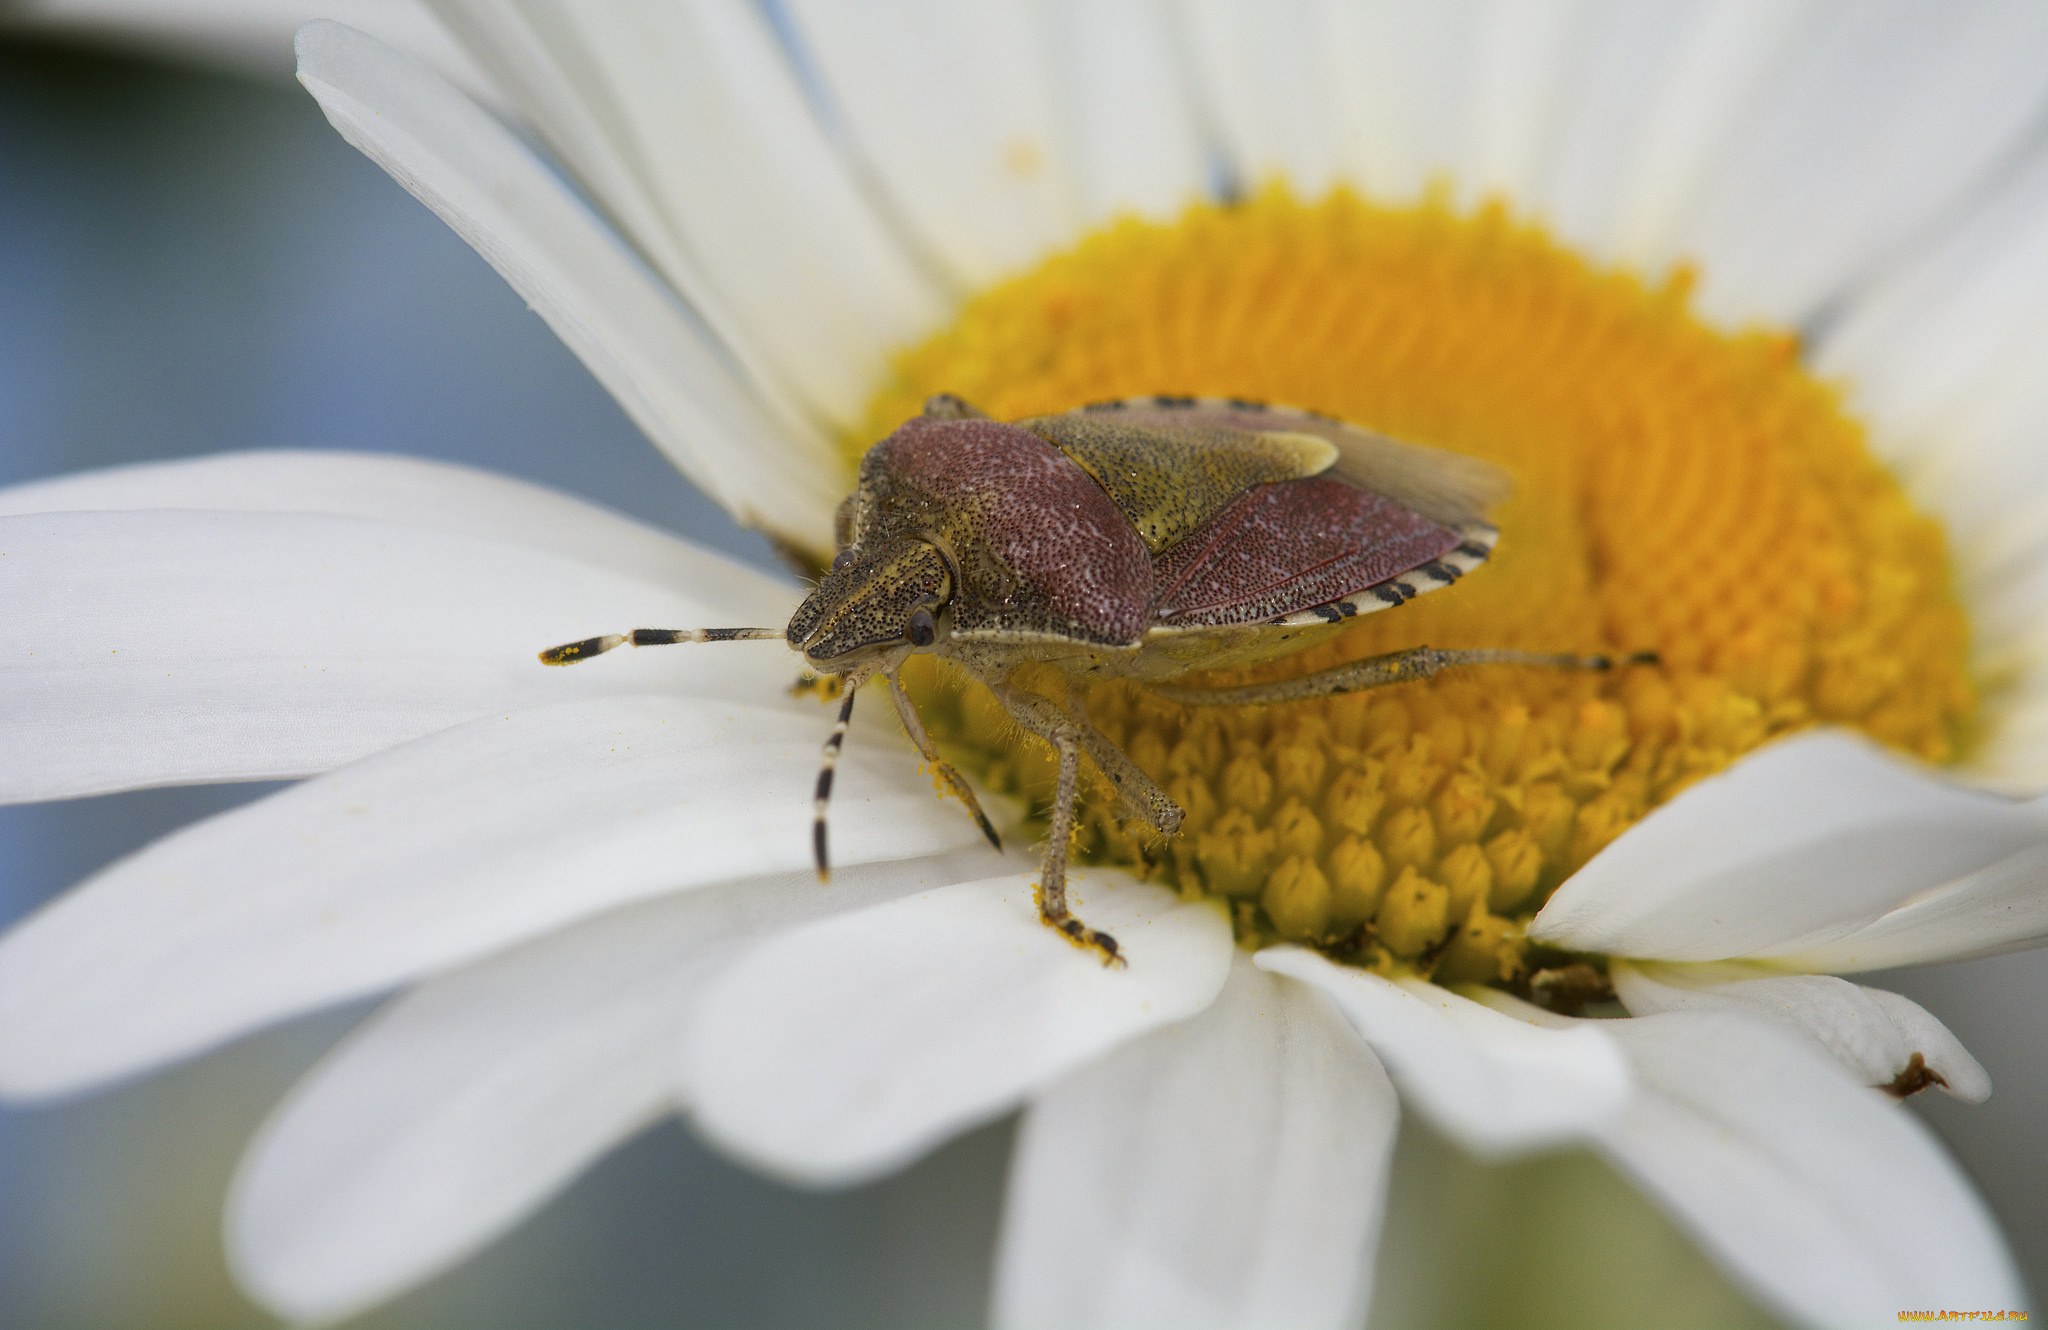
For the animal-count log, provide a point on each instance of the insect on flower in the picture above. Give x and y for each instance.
(1143, 539)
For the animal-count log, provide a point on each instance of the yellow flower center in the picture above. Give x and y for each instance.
(1678, 489)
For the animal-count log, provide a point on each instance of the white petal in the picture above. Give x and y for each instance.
(1930, 340)
(843, 1050)
(457, 1110)
(1127, 108)
(692, 110)
(1987, 913)
(1389, 97)
(150, 648)
(1888, 114)
(1830, 1202)
(467, 1103)
(1656, 93)
(1800, 843)
(1263, 83)
(1469, 94)
(1390, 85)
(414, 491)
(1225, 1172)
(424, 857)
(765, 467)
(1944, 359)
(2014, 756)
(567, 105)
(1495, 1084)
(2009, 622)
(1472, 94)
(1527, 56)
(1875, 1034)
(956, 110)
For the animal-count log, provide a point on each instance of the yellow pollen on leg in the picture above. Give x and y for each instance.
(1679, 489)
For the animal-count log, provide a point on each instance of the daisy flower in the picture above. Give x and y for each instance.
(1635, 256)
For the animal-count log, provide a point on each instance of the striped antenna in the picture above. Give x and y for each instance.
(570, 652)
(824, 795)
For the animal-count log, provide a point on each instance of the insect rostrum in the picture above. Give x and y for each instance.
(1143, 539)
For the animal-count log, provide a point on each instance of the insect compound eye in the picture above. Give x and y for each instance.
(840, 560)
(923, 630)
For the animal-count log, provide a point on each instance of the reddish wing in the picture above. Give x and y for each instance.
(1286, 547)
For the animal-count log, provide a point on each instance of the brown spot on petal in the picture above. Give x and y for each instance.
(1914, 1077)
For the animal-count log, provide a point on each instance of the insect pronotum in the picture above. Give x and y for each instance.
(1143, 539)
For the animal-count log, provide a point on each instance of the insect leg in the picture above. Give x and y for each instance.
(1398, 667)
(1139, 793)
(945, 770)
(1052, 880)
(824, 794)
(1048, 722)
(570, 652)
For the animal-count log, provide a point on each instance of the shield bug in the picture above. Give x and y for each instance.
(1143, 539)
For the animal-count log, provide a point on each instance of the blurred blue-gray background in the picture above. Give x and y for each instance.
(192, 261)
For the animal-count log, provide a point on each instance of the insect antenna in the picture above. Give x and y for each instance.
(824, 794)
(570, 652)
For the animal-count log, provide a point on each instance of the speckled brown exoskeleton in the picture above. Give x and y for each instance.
(1142, 539)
